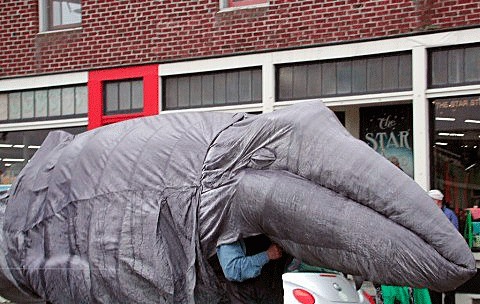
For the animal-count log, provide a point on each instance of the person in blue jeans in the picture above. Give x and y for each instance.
(253, 268)
(437, 197)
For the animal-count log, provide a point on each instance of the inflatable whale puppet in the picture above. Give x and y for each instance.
(130, 212)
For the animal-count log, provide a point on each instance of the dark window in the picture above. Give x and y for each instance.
(341, 116)
(233, 87)
(17, 147)
(454, 66)
(63, 14)
(456, 150)
(124, 96)
(42, 104)
(374, 74)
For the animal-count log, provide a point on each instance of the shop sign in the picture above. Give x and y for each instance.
(388, 130)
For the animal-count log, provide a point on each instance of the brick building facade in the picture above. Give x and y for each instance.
(76, 65)
(138, 32)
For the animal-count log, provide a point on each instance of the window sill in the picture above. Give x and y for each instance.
(59, 31)
(243, 7)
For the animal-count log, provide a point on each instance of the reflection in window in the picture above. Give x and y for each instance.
(27, 104)
(3, 106)
(124, 96)
(232, 87)
(81, 100)
(68, 101)
(14, 106)
(374, 74)
(54, 102)
(17, 147)
(41, 101)
(456, 150)
(63, 13)
(50, 103)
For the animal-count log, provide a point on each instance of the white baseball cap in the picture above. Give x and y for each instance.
(436, 194)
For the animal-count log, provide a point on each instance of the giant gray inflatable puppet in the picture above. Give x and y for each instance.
(129, 213)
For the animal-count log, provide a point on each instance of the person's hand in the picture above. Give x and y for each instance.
(274, 252)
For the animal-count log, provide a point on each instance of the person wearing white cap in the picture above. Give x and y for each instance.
(437, 196)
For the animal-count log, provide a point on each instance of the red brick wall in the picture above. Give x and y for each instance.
(122, 32)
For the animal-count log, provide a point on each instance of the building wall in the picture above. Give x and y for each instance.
(146, 31)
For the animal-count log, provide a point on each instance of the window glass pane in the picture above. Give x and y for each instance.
(111, 97)
(245, 86)
(207, 89)
(183, 92)
(41, 101)
(472, 64)
(455, 66)
(14, 106)
(285, 83)
(359, 76)
(439, 67)
(124, 95)
(405, 71)
(3, 106)
(314, 80)
(71, 12)
(344, 77)
(171, 96)
(68, 101)
(54, 106)
(81, 100)
(329, 81)
(27, 104)
(390, 72)
(374, 74)
(56, 12)
(220, 88)
(299, 81)
(196, 90)
(257, 85)
(137, 94)
(456, 150)
(232, 87)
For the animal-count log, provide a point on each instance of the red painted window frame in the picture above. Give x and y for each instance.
(232, 3)
(96, 79)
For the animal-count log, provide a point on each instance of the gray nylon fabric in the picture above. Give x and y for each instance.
(131, 212)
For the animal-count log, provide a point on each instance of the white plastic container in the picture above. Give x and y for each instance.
(322, 288)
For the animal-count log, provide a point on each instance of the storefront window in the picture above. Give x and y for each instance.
(456, 150)
(17, 147)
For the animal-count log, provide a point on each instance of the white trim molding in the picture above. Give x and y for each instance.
(47, 124)
(43, 81)
(257, 107)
